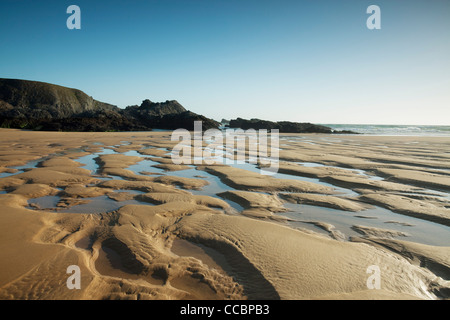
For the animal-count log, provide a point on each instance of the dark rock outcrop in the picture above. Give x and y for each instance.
(167, 115)
(282, 126)
(155, 109)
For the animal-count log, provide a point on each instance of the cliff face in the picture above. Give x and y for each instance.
(39, 100)
(43, 106)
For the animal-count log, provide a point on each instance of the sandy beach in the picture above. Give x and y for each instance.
(140, 227)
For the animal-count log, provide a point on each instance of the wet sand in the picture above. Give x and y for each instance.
(338, 205)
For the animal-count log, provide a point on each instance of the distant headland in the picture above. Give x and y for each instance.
(43, 106)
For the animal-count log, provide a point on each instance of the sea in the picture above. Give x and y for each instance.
(394, 130)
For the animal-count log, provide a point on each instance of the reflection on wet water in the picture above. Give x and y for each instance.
(29, 165)
(418, 230)
(99, 204)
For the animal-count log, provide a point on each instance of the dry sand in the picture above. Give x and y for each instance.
(182, 245)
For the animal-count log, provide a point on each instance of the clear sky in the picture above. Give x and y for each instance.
(308, 61)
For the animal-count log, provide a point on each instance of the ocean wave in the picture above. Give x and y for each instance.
(411, 130)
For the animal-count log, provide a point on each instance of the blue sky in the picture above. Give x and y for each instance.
(308, 61)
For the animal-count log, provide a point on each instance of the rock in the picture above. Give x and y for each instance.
(168, 115)
(282, 126)
(153, 109)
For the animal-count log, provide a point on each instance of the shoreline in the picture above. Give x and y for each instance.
(188, 205)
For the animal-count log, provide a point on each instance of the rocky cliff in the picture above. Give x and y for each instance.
(44, 106)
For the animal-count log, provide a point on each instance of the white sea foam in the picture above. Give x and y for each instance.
(394, 130)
